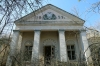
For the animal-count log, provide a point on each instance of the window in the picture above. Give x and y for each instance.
(71, 52)
(39, 17)
(28, 53)
(28, 50)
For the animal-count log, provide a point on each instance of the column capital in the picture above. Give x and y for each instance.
(15, 30)
(82, 30)
(37, 30)
(61, 30)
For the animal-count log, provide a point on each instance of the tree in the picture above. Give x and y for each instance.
(11, 10)
(97, 25)
(95, 7)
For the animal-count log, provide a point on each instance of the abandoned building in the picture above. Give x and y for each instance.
(49, 32)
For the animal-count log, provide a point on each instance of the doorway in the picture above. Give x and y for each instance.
(49, 53)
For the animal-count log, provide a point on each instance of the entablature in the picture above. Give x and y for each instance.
(51, 23)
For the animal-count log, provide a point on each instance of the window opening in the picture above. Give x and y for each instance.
(49, 53)
(71, 52)
(28, 53)
(39, 17)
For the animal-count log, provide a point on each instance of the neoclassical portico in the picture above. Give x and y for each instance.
(51, 33)
(63, 55)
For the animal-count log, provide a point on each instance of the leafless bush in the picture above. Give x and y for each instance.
(94, 41)
(4, 50)
(19, 60)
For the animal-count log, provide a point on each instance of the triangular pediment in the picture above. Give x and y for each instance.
(50, 13)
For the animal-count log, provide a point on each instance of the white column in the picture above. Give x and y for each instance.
(35, 49)
(84, 44)
(62, 45)
(19, 43)
(13, 47)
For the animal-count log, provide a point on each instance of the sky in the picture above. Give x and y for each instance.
(91, 18)
(83, 7)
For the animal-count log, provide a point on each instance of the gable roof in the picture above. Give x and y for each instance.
(45, 7)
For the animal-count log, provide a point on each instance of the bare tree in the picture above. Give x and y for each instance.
(11, 10)
(97, 25)
(95, 7)
(75, 11)
(93, 36)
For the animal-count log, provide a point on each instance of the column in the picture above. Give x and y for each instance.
(13, 47)
(62, 45)
(84, 45)
(19, 43)
(35, 49)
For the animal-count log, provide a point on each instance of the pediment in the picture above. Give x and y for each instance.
(50, 13)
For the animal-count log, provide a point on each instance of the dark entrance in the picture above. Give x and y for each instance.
(48, 54)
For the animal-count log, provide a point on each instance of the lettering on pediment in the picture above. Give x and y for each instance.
(49, 16)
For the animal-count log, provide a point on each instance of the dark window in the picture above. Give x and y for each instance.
(28, 53)
(71, 52)
(39, 17)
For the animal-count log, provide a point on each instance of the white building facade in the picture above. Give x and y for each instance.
(49, 32)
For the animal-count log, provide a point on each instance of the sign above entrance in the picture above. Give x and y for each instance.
(49, 16)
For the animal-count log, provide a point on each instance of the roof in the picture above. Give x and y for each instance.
(45, 7)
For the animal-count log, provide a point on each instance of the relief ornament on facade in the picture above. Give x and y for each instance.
(49, 16)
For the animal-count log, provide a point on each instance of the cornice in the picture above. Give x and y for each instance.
(35, 23)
